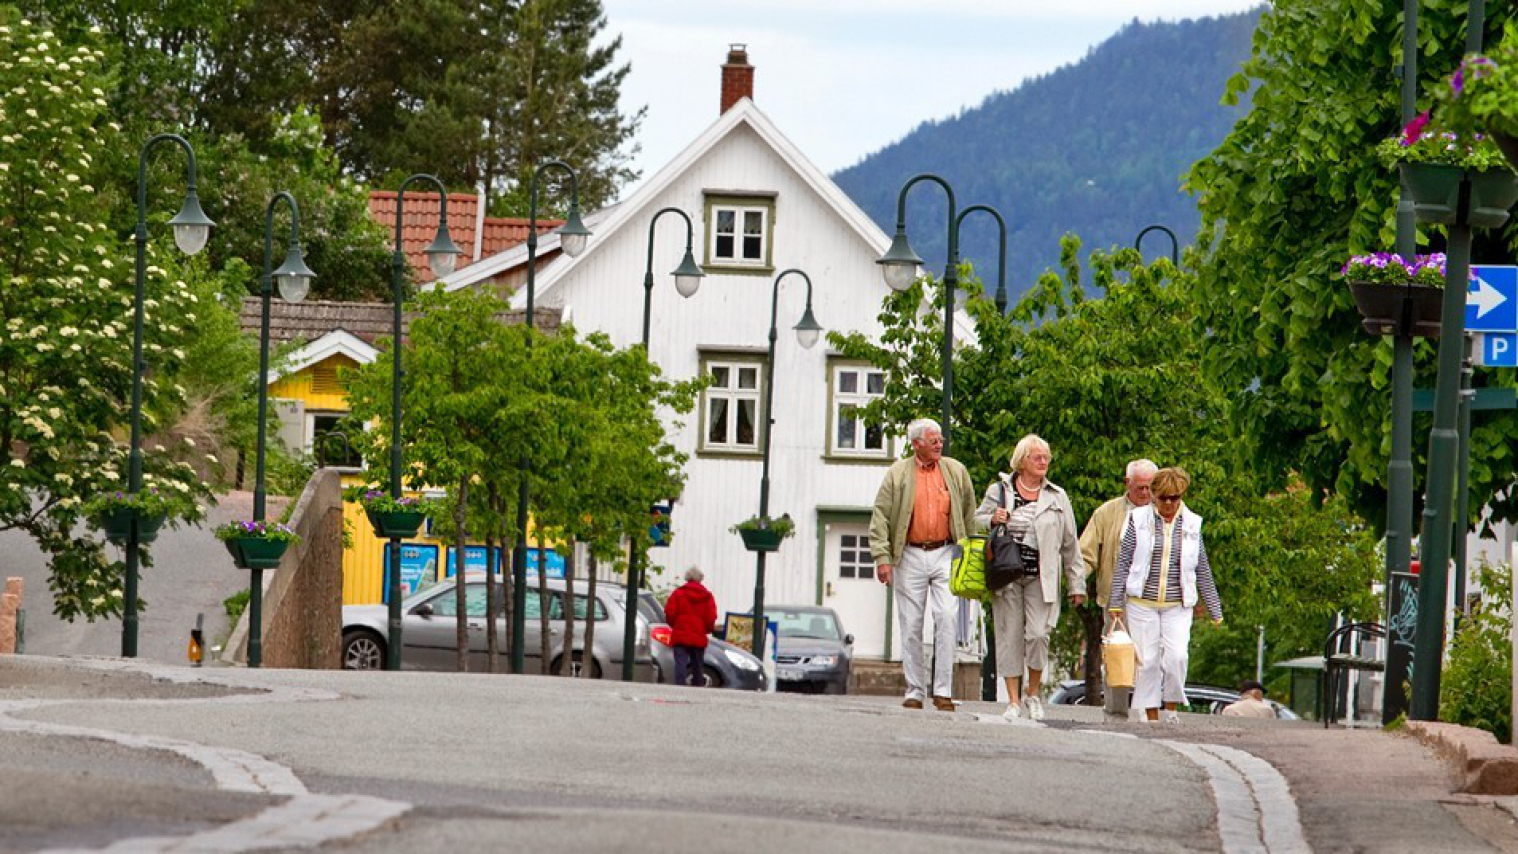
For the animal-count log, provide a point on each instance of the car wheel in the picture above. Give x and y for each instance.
(363, 650)
(576, 666)
(713, 677)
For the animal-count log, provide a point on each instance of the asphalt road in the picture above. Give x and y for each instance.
(381, 762)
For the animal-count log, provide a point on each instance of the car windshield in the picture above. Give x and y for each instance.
(820, 625)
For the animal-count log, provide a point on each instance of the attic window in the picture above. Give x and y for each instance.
(739, 231)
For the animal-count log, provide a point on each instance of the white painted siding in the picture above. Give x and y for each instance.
(605, 293)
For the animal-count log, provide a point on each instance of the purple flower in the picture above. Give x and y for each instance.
(1479, 67)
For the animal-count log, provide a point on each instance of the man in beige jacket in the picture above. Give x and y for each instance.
(925, 506)
(1099, 544)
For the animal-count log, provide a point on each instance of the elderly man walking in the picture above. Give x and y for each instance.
(1100, 542)
(925, 506)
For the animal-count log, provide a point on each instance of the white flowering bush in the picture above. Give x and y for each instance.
(66, 287)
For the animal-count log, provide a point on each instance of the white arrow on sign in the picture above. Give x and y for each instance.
(1484, 298)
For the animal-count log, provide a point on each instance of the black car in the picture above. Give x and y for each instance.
(813, 655)
(725, 665)
(1200, 699)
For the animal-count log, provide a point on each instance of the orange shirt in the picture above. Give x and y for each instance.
(930, 507)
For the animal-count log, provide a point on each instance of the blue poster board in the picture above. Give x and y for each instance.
(418, 569)
(474, 560)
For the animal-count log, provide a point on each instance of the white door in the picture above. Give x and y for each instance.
(850, 588)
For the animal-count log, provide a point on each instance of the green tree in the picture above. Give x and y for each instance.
(66, 319)
(1293, 191)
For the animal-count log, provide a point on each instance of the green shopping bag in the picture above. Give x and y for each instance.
(967, 577)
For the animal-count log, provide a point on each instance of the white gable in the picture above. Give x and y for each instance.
(334, 343)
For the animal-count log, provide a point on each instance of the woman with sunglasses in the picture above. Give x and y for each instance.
(1162, 577)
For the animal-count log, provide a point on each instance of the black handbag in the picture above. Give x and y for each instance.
(1004, 555)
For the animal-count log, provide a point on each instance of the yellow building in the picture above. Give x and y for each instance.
(309, 398)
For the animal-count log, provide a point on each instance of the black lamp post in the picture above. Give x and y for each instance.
(1001, 252)
(441, 255)
(1175, 245)
(191, 230)
(899, 265)
(294, 279)
(687, 279)
(573, 235)
(807, 332)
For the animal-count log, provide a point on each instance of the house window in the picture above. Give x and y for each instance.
(333, 450)
(730, 412)
(853, 387)
(738, 231)
(854, 559)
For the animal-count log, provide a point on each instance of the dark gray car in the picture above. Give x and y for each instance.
(813, 653)
(725, 665)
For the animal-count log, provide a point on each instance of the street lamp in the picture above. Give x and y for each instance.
(899, 266)
(1175, 245)
(294, 279)
(807, 332)
(191, 229)
(441, 255)
(1001, 254)
(687, 279)
(573, 236)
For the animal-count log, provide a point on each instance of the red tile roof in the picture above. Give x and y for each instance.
(419, 226)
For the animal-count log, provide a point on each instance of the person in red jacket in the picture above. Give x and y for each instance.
(692, 614)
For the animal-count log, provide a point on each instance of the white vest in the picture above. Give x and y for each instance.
(1143, 552)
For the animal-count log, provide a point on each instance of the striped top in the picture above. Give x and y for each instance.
(1163, 589)
(1019, 521)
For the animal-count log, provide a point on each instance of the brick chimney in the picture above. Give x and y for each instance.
(737, 77)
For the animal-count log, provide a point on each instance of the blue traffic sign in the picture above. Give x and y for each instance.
(1491, 302)
(1500, 350)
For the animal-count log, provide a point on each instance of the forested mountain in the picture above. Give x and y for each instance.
(1098, 148)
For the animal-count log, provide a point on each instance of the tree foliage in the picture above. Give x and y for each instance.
(1294, 190)
(66, 319)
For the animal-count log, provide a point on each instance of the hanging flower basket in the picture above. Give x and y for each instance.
(256, 544)
(762, 534)
(256, 552)
(1399, 309)
(118, 525)
(395, 523)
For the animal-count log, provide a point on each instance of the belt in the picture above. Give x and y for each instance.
(936, 544)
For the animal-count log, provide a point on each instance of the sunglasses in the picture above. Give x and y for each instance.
(1167, 498)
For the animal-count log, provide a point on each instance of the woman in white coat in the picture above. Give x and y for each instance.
(1162, 577)
(1024, 612)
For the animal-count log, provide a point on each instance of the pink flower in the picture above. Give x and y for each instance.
(1414, 129)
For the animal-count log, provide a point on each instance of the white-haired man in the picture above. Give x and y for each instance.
(1099, 544)
(925, 505)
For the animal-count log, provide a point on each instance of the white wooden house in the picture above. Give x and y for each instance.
(759, 207)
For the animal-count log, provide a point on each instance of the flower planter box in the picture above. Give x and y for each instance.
(256, 552)
(118, 525)
(1399, 309)
(760, 539)
(396, 523)
(1436, 193)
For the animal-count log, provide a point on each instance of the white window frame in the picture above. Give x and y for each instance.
(733, 395)
(740, 213)
(310, 448)
(860, 398)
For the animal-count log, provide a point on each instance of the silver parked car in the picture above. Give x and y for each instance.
(429, 631)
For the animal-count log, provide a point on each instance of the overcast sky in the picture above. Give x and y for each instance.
(844, 78)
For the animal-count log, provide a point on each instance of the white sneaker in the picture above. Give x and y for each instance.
(1169, 717)
(1035, 708)
(1014, 714)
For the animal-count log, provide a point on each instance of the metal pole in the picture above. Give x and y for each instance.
(397, 376)
(1462, 491)
(1444, 443)
(524, 466)
(1175, 244)
(134, 458)
(634, 580)
(1399, 469)
(1259, 656)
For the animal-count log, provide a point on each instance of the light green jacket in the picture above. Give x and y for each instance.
(893, 507)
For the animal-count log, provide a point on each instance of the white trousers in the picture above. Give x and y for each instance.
(921, 581)
(1161, 638)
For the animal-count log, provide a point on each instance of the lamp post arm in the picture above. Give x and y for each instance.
(950, 279)
(1001, 253)
(1175, 245)
(266, 291)
(532, 219)
(648, 271)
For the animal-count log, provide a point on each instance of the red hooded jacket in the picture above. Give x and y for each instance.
(692, 614)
